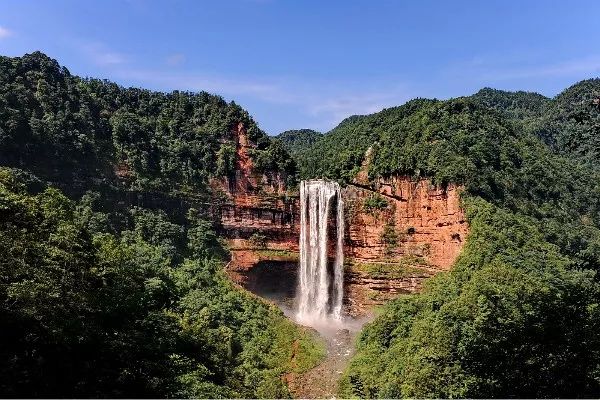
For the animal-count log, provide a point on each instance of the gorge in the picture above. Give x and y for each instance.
(147, 240)
(394, 233)
(320, 283)
(329, 254)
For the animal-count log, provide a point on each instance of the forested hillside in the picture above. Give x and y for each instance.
(567, 124)
(298, 141)
(65, 128)
(111, 271)
(573, 121)
(518, 314)
(101, 297)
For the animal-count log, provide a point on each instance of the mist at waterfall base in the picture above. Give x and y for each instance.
(320, 290)
(311, 292)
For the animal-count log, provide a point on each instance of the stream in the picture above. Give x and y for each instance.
(339, 336)
(322, 380)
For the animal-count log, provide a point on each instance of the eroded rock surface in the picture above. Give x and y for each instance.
(399, 231)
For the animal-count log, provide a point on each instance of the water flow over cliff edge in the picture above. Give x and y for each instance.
(320, 283)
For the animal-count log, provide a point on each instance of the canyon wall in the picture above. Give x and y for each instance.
(256, 213)
(399, 231)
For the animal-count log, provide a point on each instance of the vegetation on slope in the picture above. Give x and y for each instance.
(573, 122)
(146, 312)
(517, 315)
(520, 106)
(63, 127)
(100, 297)
(299, 140)
(568, 124)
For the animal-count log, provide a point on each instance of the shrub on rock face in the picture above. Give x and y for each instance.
(375, 202)
(390, 238)
(226, 160)
(258, 240)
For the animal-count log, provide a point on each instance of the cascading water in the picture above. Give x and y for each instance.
(320, 288)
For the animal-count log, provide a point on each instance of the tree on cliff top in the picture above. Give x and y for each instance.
(60, 126)
(517, 315)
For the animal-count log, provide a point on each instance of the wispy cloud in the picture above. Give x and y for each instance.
(101, 55)
(176, 59)
(206, 82)
(323, 104)
(5, 32)
(334, 107)
(581, 66)
(497, 68)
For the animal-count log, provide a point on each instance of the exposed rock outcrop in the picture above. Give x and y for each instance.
(402, 217)
(399, 231)
(258, 216)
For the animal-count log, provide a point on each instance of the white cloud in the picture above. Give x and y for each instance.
(324, 104)
(175, 59)
(334, 107)
(516, 67)
(261, 89)
(4, 32)
(586, 66)
(103, 56)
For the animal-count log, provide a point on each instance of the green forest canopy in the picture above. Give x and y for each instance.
(100, 297)
(297, 141)
(64, 128)
(518, 314)
(133, 303)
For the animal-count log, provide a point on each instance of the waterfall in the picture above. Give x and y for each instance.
(321, 286)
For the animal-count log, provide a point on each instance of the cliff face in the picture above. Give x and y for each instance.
(257, 215)
(402, 217)
(398, 231)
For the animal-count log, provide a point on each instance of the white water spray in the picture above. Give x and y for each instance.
(321, 288)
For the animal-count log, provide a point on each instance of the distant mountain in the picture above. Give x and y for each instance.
(298, 140)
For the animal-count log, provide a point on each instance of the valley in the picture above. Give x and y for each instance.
(163, 245)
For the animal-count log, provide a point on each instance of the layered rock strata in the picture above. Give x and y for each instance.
(399, 231)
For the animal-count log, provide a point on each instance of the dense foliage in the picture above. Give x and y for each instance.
(569, 124)
(299, 140)
(573, 121)
(101, 296)
(520, 106)
(518, 314)
(514, 318)
(64, 127)
(143, 313)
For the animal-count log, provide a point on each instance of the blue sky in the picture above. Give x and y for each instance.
(309, 64)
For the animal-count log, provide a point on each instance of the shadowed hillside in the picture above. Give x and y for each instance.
(115, 288)
(517, 315)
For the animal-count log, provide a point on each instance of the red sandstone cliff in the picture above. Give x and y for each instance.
(257, 214)
(414, 218)
(399, 231)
